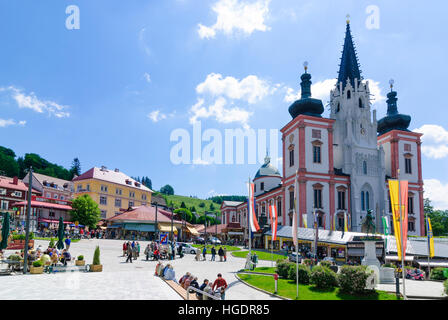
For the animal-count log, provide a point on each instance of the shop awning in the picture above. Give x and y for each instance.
(53, 221)
(395, 258)
(193, 231)
(433, 263)
(140, 227)
(114, 226)
(167, 228)
(235, 233)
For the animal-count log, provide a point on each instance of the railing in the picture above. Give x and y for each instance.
(201, 292)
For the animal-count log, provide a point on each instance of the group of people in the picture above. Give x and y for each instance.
(217, 289)
(222, 253)
(131, 250)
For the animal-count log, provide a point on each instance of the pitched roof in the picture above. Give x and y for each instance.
(6, 182)
(41, 204)
(231, 203)
(59, 182)
(113, 176)
(349, 67)
(143, 213)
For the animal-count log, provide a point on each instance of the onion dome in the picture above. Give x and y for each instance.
(393, 120)
(267, 169)
(306, 105)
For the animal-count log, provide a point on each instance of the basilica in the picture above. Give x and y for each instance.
(342, 163)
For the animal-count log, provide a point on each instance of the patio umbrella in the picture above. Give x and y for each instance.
(5, 231)
(60, 244)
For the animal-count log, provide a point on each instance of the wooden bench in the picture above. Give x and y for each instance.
(180, 291)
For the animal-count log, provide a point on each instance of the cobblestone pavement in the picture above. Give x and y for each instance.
(120, 280)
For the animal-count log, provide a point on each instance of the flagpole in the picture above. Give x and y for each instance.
(402, 236)
(429, 244)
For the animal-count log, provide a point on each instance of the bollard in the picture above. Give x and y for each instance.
(276, 283)
(397, 286)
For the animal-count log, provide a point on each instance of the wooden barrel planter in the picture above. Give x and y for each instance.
(96, 268)
(80, 262)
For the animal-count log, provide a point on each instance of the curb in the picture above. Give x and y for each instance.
(261, 290)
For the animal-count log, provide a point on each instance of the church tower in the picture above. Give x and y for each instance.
(355, 138)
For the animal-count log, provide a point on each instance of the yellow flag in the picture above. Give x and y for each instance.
(394, 199)
(304, 219)
(430, 237)
(345, 222)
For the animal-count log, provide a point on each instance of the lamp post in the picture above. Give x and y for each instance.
(205, 222)
(27, 223)
(172, 235)
(157, 226)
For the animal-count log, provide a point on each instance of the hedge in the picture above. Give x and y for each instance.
(437, 274)
(283, 268)
(304, 273)
(323, 278)
(445, 284)
(326, 264)
(352, 279)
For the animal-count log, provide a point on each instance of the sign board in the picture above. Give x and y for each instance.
(367, 238)
(76, 223)
(163, 238)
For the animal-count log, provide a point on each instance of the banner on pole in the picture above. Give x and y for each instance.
(399, 211)
(253, 223)
(295, 213)
(430, 237)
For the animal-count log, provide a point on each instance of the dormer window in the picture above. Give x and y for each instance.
(262, 186)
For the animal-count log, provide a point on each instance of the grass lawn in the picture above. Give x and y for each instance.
(261, 255)
(267, 270)
(194, 202)
(287, 289)
(55, 239)
(228, 248)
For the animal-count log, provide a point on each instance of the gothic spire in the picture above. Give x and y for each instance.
(349, 67)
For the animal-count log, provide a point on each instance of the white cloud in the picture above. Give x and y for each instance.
(434, 141)
(220, 112)
(147, 77)
(142, 40)
(30, 101)
(10, 122)
(251, 89)
(321, 90)
(156, 116)
(437, 192)
(237, 15)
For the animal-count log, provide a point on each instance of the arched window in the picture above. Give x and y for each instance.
(338, 107)
(367, 200)
(349, 94)
(361, 105)
(363, 204)
(364, 167)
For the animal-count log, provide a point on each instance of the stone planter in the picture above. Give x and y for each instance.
(96, 268)
(36, 270)
(80, 262)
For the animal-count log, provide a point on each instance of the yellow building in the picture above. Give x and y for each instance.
(113, 190)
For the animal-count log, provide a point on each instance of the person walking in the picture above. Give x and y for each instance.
(221, 284)
(213, 254)
(138, 249)
(125, 248)
(198, 255)
(147, 252)
(220, 254)
(204, 252)
(129, 252)
(225, 254)
(67, 241)
(135, 252)
(170, 252)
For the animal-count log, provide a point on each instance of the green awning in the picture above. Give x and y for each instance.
(140, 227)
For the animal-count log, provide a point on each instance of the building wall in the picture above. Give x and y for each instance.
(111, 210)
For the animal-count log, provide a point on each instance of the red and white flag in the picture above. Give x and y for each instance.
(273, 215)
(295, 213)
(253, 223)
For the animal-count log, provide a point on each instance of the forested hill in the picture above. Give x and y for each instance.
(11, 165)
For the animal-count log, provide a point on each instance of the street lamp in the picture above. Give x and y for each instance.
(27, 223)
(172, 235)
(205, 222)
(157, 226)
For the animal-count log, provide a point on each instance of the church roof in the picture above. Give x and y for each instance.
(349, 67)
(267, 169)
(393, 120)
(306, 105)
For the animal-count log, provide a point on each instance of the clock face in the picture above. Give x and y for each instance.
(363, 131)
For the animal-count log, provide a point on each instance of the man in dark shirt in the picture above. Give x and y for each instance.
(202, 287)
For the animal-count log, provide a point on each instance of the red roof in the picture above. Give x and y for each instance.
(211, 229)
(6, 182)
(40, 204)
(143, 213)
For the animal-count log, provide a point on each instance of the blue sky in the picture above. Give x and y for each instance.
(112, 92)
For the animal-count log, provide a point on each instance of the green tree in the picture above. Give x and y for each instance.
(76, 167)
(439, 219)
(212, 207)
(8, 165)
(182, 205)
(167, 189)
(85, 211)
(202, 205)
(183, 213)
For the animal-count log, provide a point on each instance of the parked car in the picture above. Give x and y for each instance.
(330, 259)
(214, 240)
(188, 248)
(293, 257)
(199, 240)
